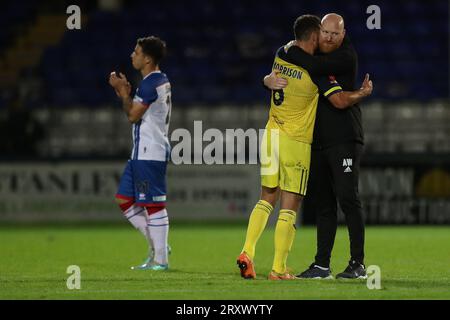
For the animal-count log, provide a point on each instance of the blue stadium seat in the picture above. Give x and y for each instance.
(208, 60)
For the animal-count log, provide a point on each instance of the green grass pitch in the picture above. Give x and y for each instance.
(414, 262)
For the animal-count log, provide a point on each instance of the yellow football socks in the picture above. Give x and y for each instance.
(284, 237)
(256, 224)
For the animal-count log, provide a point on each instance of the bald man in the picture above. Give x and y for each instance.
(336, 150)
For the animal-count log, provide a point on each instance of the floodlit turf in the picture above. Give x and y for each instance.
(414, 262)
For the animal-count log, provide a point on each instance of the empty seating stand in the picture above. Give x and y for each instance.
(218, 53)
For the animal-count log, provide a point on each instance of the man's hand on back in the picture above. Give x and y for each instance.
(274, 82)
(288, 45)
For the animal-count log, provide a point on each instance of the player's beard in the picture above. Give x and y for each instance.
(326, 47)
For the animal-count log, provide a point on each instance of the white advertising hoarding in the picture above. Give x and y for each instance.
(74, 191)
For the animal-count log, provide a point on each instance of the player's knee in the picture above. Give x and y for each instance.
(270, 195)
(290, 200)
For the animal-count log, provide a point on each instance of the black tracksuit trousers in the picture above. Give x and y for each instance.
(334, 178)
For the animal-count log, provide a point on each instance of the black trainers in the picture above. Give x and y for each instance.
(316, 272)
(354, 270)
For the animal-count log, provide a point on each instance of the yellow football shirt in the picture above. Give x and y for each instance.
(293, 109)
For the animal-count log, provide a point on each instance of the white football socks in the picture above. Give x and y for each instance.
(138, 218)
(158, 227)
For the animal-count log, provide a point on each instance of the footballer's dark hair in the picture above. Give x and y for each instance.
(305, 25)
(153, 47)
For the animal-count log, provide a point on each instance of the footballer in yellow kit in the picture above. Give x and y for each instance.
(286, 144)
(285, 154)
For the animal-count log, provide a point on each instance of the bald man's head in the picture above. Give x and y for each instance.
(332, 32)
(334, 20)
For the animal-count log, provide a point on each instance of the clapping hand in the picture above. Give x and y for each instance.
(120, 84)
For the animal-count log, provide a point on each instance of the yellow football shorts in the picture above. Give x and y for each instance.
(285, 162)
